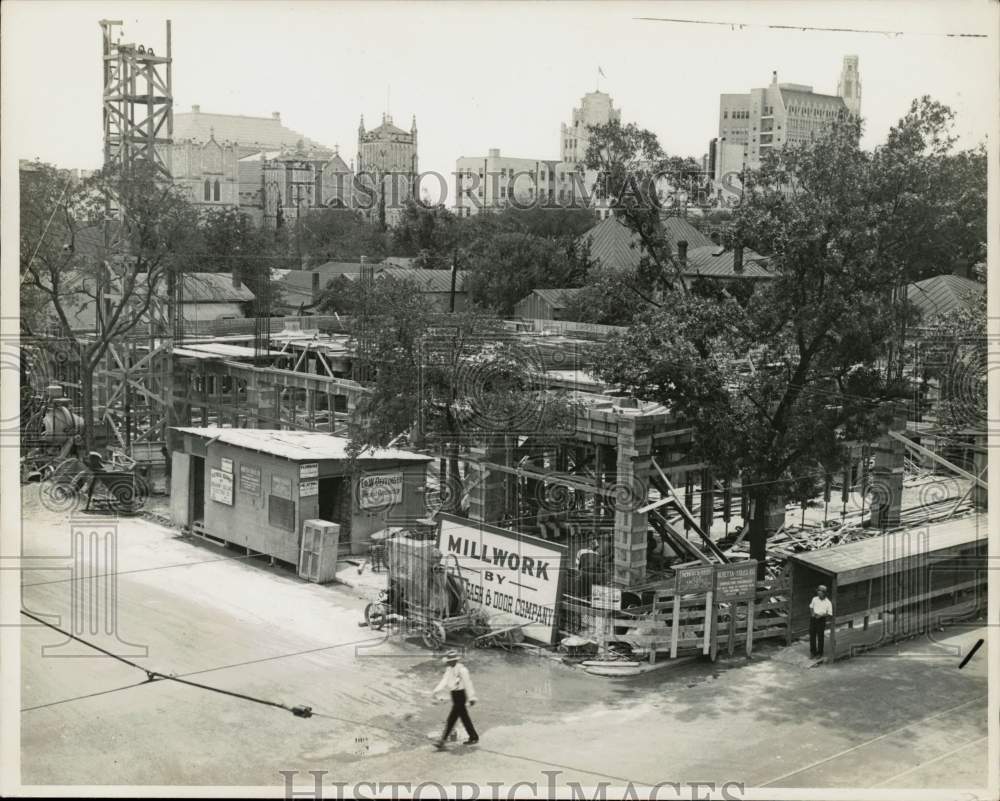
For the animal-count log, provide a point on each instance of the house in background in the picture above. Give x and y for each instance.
(301, 289)
(544, 304)
(943, 294)
(615, 248)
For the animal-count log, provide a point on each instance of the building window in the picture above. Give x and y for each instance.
(215, 191)
(208, 189)
(725, 115)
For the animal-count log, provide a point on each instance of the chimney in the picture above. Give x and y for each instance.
(774, 77)
(315, 284)
(196, 109)
(738, 259)
(682, 253)
(714, 236)
(276, 115)
(236, 280)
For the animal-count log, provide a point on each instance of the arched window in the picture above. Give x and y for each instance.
(208, 190)
(216, 190)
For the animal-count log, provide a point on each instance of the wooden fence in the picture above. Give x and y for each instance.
(672, 625)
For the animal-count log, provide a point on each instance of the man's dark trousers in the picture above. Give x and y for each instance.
(817, 632)
(459, 711)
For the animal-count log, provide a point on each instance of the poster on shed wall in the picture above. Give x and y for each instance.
(221, 487)
(511, 577)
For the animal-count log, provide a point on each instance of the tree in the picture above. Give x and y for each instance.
(605, 300)
(339, 235)
(443, 381)
(508, 266)
(776, 389)
(65, 259)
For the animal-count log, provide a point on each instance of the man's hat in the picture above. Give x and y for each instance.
(822, 587)
(451, 656)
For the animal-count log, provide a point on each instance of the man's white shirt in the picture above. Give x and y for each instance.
(821, 607)
(456, 677)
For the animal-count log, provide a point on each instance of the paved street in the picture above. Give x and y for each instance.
(900, 718)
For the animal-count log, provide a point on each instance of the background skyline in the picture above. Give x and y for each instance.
(485, 75)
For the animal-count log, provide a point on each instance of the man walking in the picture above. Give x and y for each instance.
(458, 682)
(821, 610)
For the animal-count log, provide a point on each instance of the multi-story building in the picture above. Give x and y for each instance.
(261, 166)
(596, 108)
(766, 119)
(494, 182)
(849, 85)
(207, 171)
(387, 165)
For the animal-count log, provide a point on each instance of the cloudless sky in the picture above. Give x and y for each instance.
(482, 75)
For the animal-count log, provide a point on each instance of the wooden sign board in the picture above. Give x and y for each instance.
(250, 479)
(309, 470)
(691, 580)
(307, 488)
(736, 582)
(227, 465)
(281, 487)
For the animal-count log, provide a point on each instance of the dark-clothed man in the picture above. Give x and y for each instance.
(458, 682)
(821, 610)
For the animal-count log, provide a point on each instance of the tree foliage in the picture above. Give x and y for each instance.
(776, 387)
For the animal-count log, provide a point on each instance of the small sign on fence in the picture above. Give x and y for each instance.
(736, 582)
(692, 580)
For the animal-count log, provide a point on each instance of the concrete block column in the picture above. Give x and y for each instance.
(887, 476)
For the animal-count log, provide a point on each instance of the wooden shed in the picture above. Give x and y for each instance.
(544, 304)
(894, 586)
(256, 487)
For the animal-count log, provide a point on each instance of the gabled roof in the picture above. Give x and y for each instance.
(944, 293)
(428, 280)
(614, 246)
(704, 262)
(556, 298)
(257, 133)
(213, 288)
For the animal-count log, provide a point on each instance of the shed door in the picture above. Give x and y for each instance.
(312, 542)
(180, 488)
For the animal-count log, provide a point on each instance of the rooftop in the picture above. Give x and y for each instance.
(265, 133)
(942, 294)
(297, 445)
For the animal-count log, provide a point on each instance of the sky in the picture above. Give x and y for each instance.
(481, 75)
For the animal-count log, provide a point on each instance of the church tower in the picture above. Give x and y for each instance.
(849, 85)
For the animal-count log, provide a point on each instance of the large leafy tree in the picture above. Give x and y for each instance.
(775, 388)
(66, 260)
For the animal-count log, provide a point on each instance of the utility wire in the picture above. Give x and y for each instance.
(153, 675)
(803, 28)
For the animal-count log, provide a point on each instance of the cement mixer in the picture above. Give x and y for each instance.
(426, 592)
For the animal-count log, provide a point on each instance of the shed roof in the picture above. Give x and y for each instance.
(889, 553)
(298, 445)
(703, 261)
(613, 245)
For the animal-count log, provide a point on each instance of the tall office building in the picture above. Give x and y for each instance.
(849, 85)
(765, 119)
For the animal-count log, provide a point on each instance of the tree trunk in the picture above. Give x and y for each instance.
(87, 407)
(761, 500)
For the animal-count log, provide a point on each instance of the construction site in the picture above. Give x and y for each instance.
(652, 549)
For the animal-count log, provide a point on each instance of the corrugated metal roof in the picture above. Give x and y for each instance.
(614, 246)
(209, 287)
(264, 133)
(298, 445)
(944, 293)
(557, 298)
(703, 261)
(885, 554)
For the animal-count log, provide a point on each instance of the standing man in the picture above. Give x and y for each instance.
(821, 610)
(458, 682)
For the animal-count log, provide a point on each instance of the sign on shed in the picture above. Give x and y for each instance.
(221, 487)
(380, 490)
